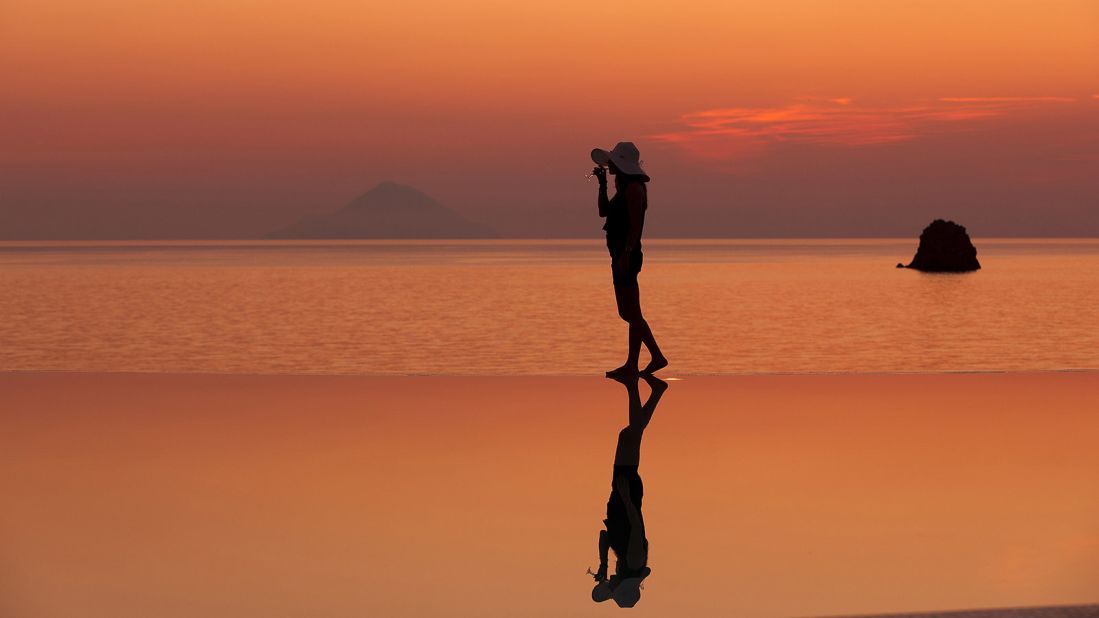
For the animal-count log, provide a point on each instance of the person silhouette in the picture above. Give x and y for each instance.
(625, 220)
(624, 527)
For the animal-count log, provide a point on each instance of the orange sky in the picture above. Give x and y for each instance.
(124, 118)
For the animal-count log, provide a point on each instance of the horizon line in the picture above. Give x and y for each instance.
(579, 239)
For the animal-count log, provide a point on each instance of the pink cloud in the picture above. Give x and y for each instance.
(734, 132)
(1007, 99)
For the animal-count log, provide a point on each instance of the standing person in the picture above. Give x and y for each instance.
(624, 532)
(625, 215)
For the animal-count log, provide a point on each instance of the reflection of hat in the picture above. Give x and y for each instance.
(625, 156)
(628, 591)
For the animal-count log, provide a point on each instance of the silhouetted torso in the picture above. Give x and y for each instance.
(624, 527)
(618, 523)
(617, 224)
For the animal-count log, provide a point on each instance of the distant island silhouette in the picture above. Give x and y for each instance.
(389, 210)
(945, 247)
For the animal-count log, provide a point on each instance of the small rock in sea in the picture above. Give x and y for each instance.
(945, 247)
(899, 265)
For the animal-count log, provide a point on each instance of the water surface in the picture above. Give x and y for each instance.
(175, 496)
(540, 307)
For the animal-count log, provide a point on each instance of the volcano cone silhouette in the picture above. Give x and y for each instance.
(945, 247)
(389, 210)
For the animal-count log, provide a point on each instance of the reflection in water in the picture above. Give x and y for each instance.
(625, 524)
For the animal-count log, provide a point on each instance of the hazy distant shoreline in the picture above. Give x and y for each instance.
(257, 239)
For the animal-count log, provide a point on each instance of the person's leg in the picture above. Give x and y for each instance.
(628, 450)
(656, 390)
(630, 312)
(657, 360)
(637, 326)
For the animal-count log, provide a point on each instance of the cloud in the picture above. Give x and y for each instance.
(734, 132)
(1007, 99)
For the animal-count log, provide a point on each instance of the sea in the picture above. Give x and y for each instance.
(541, 307)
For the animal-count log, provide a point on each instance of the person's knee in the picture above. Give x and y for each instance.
(625, 314)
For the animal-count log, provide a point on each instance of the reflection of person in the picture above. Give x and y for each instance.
(625, 215)
(625, 524)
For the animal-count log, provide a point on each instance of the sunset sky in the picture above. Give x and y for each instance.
(229, 118)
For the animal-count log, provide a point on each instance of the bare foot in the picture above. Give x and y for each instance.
(655, 383)
(656, 364)
(625, 371)
(627, 380)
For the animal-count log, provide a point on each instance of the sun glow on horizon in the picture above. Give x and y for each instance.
(136, 116)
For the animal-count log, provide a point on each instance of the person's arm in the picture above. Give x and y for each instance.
(604, 201)
(635, 547)
(604, 547)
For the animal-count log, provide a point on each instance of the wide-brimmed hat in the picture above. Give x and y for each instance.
(625, 155)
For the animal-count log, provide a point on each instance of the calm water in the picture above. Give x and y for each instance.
(232, 496)
(540, 307)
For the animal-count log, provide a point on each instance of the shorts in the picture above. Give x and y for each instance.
(629, 277)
